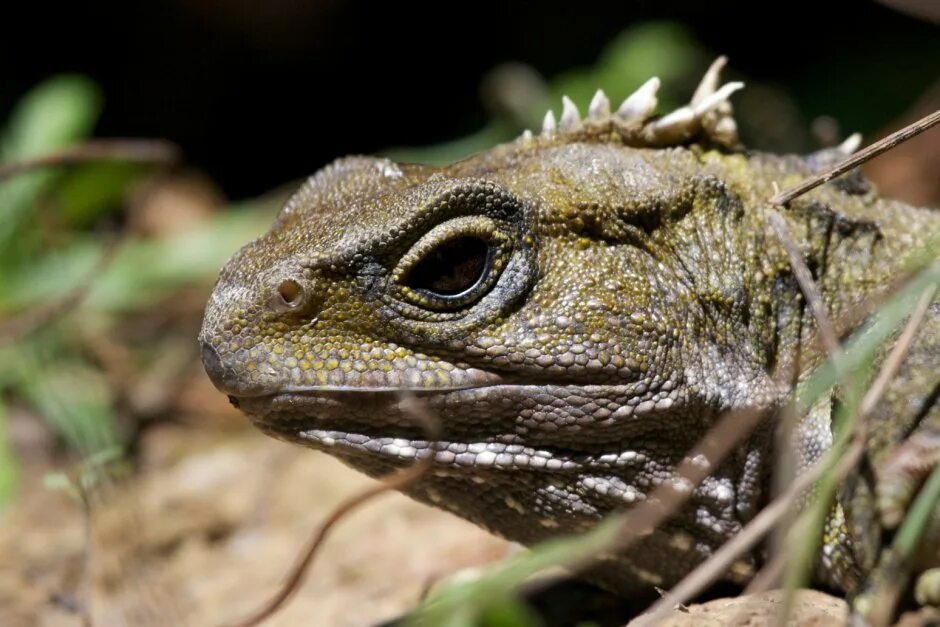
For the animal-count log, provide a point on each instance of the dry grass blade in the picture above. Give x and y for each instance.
(807, 285)
(830, 341)
(858, 158)
(718, 564)
(396, 481)
(128, 150)
(701, 461)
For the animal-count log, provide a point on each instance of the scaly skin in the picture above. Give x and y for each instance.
(634, 295)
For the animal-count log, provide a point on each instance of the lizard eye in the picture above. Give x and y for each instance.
(453, 265)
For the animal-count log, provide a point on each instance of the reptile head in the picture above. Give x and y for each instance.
(536, 297)
(368, 285)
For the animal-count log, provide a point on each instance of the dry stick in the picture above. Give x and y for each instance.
(129, 150)
(701, 460)
(870, 152)
(826, 333)
(760, 525)
(398, 480)
(808, 286)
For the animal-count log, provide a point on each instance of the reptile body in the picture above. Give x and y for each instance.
(577, 309)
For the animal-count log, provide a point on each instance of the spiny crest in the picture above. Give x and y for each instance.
(707, 116)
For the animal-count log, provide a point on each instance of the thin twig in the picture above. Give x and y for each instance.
(155, 151)
(870, 152)
(807, 285)
(398, 480)
(760, 525)
(716, 565)
(827, 334)
(707, 455)
(698, 464)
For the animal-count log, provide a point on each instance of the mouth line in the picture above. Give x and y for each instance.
(334, 389)
(314, 391)
(480, 454)
(338, 390)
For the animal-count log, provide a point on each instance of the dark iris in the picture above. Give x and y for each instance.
(452, 268)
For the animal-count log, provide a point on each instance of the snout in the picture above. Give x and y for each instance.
(224, 380)
(241, 374)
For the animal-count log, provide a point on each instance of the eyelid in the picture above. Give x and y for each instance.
(467, 226)
(482, 227)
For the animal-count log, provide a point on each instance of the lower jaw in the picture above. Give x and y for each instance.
(482, 455)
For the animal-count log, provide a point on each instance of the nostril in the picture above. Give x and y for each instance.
(291, 293)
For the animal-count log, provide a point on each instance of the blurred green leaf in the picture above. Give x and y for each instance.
(144, 270)
(74, 398)
(57, 113)
(451, 151)
(663, 49)
(59, 481)
(466, 603)
(509, 613)
(90, 191)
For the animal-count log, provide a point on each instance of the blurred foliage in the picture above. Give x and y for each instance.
(49, 244)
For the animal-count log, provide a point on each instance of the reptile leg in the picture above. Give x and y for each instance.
(876, 601)
(903, 502)
(904, 471)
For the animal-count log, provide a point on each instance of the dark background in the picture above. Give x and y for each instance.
(259, 93)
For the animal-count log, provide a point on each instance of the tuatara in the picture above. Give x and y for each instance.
(577, 307)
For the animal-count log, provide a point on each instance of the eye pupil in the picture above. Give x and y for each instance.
(452, 268)
(290, 292)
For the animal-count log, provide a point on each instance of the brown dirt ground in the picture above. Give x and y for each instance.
(203, 537)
